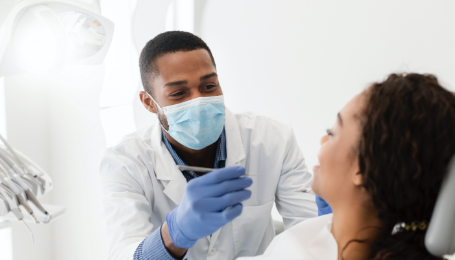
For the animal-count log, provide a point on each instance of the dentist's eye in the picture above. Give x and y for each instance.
(178, 94)
(329, 132)
(210, 86)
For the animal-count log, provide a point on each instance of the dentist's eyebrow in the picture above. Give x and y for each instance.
(340, 120)
(176, 83)
(208, 76)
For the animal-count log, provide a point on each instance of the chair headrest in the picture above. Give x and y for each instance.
(440, 236)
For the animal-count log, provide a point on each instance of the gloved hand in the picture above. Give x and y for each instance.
(204, 206)
(323, 207)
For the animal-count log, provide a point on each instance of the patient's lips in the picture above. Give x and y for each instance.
(316, 168)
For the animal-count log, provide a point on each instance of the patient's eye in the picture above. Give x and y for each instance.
(329, 132)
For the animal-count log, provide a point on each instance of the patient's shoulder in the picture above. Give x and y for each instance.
(311, 226)
(309, 240)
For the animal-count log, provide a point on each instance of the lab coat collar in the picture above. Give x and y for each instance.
(166, 169)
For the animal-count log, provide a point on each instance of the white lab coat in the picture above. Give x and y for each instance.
(308, 240)
(141, 184)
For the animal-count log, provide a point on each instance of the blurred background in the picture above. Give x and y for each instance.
(295, 61)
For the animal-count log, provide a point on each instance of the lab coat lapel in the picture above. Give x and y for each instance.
(235, 154)
(234, 143)
(166, 169)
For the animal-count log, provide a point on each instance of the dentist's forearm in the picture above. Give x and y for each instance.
(175, 251)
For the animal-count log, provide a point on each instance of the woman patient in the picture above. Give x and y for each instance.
(381, 168)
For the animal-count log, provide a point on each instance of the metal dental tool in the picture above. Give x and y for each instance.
(203, 169)
(8, 197)
(13, 170)
(304, 190)
(7, 180)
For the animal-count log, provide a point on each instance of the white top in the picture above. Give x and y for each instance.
(141, 184)
(309, 240)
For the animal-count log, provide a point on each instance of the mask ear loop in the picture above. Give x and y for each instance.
(160, 108)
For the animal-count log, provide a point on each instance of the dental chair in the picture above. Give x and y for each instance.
(440, 237)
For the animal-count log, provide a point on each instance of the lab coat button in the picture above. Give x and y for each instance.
(212, 251)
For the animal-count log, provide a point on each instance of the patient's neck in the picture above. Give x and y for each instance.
(354, 221)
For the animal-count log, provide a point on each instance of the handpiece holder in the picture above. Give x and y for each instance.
(39, 183)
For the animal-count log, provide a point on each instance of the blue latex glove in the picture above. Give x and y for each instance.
(323, 207)
(204, 207)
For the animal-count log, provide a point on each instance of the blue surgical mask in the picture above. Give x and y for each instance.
(196, 123)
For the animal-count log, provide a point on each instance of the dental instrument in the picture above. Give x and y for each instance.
(203, 169)
(16, 189)
(13, 170)
(21, 182)
(304, 190)
(8, 197)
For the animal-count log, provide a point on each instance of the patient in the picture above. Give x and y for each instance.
(381, 168)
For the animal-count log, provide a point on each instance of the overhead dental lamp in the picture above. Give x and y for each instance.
(42, 37)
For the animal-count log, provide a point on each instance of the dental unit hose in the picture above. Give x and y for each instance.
(22, 171)
(11, 150)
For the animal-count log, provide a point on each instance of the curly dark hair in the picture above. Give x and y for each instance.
(406, 143)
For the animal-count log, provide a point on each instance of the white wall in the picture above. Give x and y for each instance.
(300, 61)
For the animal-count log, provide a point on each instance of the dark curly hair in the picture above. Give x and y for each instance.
(163, 43)
(406, 143)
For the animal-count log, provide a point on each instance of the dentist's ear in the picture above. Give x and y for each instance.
(147, 102)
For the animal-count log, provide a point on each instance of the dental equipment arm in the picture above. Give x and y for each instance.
(440, 237)
(13, 170)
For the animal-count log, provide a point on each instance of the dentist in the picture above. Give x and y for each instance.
(152, 210)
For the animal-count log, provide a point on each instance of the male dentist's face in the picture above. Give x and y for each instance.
(183, 75)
